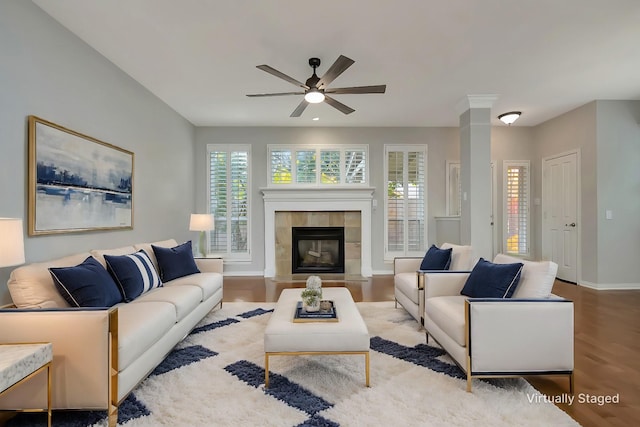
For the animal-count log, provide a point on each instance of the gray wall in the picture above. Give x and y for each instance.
(574, 130)
(48, 72)
(442, 145)
(618, 171)
(607, 134)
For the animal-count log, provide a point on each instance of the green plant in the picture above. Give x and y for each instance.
(311, 296)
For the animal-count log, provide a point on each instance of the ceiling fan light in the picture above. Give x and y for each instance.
(314, 96)
(510, 117)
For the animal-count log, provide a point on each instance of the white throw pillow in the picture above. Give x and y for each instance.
(536, 279)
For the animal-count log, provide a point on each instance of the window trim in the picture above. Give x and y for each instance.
(228, 256)
(294, 148)
(505, 232)
(390, 255)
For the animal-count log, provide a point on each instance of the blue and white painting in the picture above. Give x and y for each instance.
(78, 183)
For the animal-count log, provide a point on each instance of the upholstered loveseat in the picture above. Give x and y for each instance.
(101, 354)
(408, 279)
(531, 333)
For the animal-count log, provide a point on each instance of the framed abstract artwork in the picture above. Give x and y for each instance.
(76, 183)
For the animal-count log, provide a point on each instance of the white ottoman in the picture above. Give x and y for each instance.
(283, 337)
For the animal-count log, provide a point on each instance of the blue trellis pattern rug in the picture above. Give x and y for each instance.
(215, 377)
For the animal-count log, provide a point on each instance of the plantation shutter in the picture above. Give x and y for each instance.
(405, 201)
(281, 166)
(229, 200)
(355, 167)
(306, 166)
(329, 167)
(517, 207)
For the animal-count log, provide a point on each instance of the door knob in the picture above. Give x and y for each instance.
(573, 224)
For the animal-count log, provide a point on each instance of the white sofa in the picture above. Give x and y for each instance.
(529, 334)
(101, 354)
(408, 281)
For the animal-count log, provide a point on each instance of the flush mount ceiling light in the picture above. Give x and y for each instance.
(510, 117)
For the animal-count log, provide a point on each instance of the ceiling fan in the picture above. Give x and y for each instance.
(315, 88)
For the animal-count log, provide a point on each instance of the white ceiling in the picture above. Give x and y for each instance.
(543, 57)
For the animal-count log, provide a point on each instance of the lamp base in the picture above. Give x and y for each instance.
(202, 245)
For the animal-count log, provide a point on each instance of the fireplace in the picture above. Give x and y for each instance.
(317, 250)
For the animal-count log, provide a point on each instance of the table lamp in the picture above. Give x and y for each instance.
(11, 242)
(202, 223)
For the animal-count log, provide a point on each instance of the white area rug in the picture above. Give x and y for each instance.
(320, 390)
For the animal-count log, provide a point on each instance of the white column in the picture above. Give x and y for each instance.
(475, 173)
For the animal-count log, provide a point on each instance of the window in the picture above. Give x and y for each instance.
(516, 207)
(229, 202)
(454, 189)
(405, 201)
(318, 166)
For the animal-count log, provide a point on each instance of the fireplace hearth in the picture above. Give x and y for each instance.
(317, 250)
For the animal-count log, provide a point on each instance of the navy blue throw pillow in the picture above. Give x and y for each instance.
(134, 274)
(436, 259)
(86, 285)
(489, 280)
(175, 262)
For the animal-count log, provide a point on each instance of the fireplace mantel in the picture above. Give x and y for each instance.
(317, 199)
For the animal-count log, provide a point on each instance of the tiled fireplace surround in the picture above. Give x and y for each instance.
(317, 207)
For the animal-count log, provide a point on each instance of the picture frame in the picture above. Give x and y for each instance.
(76, 183)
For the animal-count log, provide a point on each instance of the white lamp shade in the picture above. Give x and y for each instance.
(11, 242)
(201, 222)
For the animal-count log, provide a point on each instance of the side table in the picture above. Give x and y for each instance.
(20, 362)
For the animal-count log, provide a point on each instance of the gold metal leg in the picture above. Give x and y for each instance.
(266, 370)
(366, 367)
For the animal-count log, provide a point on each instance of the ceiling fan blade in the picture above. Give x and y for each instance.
(358, 89)
(338, 67)
(300, 108)
(338, 105)
(254, 95)
(283, 76)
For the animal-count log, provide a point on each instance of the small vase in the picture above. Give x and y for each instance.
(312, 308)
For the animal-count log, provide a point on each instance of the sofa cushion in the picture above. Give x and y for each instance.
(134, 274)
(436, 259)
(86, 285)
(461, 257)
(489, 280)
(537, 278)
(407, 283)
(209, 283)
(175, 262)
(32, 286)
(183, 298)
(140, 325)
(448, 313)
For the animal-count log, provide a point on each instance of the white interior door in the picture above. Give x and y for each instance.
(560, 214)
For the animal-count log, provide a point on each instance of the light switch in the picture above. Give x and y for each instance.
(608, 214)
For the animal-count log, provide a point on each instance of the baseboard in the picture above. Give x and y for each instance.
(610, 286)
(244, 273)
(383, 272)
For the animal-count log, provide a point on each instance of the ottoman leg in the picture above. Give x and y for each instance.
(366, 367)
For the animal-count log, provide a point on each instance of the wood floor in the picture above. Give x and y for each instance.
(607, 343)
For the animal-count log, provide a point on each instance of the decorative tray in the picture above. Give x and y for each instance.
(327, 313)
